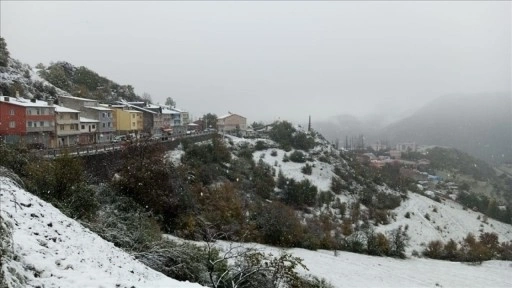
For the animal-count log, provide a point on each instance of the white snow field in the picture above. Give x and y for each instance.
(356, 270)
(450, 221)
(51, 250)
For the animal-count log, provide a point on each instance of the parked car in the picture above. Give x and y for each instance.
(118, 139)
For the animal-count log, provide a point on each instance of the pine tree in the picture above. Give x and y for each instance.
(4, 53)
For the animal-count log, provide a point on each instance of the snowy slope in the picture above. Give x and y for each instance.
(450, 221)
(321, 172)
(347, 269)
(356, 270)
(50, 250)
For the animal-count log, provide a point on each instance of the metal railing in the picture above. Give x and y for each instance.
(91, 149)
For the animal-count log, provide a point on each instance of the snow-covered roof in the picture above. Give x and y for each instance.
(63, 109)
(24, 102)
(169, 111)
(129, 104)
(228, 115)
(78, 98)
(99, 108)
(88, 120)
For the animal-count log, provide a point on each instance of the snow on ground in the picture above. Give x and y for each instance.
(175, 156)
(356, 270)
(450, 221)
(55, 251)
(321, 172)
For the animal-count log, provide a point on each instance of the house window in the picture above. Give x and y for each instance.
(29, 123)
(104, 125)
(93, 126)
(109, 114)
(133, 124)
(133, 115)
(109, 124)
(38, 112)
(61, 127)
(104, 114)
(12, 124)
(41, 123)
(29, 111)
(83, 127)
(12, 112)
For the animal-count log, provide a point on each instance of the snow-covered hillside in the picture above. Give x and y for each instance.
(47, 249)
(27, 81)
(450, 221)
(345, 269)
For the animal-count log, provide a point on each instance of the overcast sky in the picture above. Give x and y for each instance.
(269, 60)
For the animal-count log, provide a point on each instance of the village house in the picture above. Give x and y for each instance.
(88, 128)
(67, 129)
(28, 121)
(406, 147)
(91, 109)
(152, 120)
(128, 121)
(230, 122)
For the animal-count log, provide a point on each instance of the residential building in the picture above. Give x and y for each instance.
(152, 120)
(67, 128)
(106, 127)
(231, 122)
(175, 122)
(28, 121)
(91, 109)
(395, 154)
(128, 121)
(406, 147)
(88, 128)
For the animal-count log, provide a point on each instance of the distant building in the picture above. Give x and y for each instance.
(380, 145)
(395, 154)
(230, 122)
(406, 147)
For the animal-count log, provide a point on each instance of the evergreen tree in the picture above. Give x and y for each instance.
(4, 53)
(170, 102)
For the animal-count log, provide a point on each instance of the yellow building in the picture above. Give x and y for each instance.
(127, 121)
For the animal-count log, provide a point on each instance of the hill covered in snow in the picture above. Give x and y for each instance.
(423, 218)
(41, 247)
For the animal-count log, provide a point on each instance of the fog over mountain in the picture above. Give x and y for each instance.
(480, 124)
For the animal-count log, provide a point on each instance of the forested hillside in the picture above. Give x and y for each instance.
(83, 82)
(60, 78)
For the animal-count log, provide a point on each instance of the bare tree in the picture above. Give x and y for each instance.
(147, 97)
(237, 266)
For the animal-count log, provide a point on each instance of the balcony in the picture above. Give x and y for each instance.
(40, 129)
